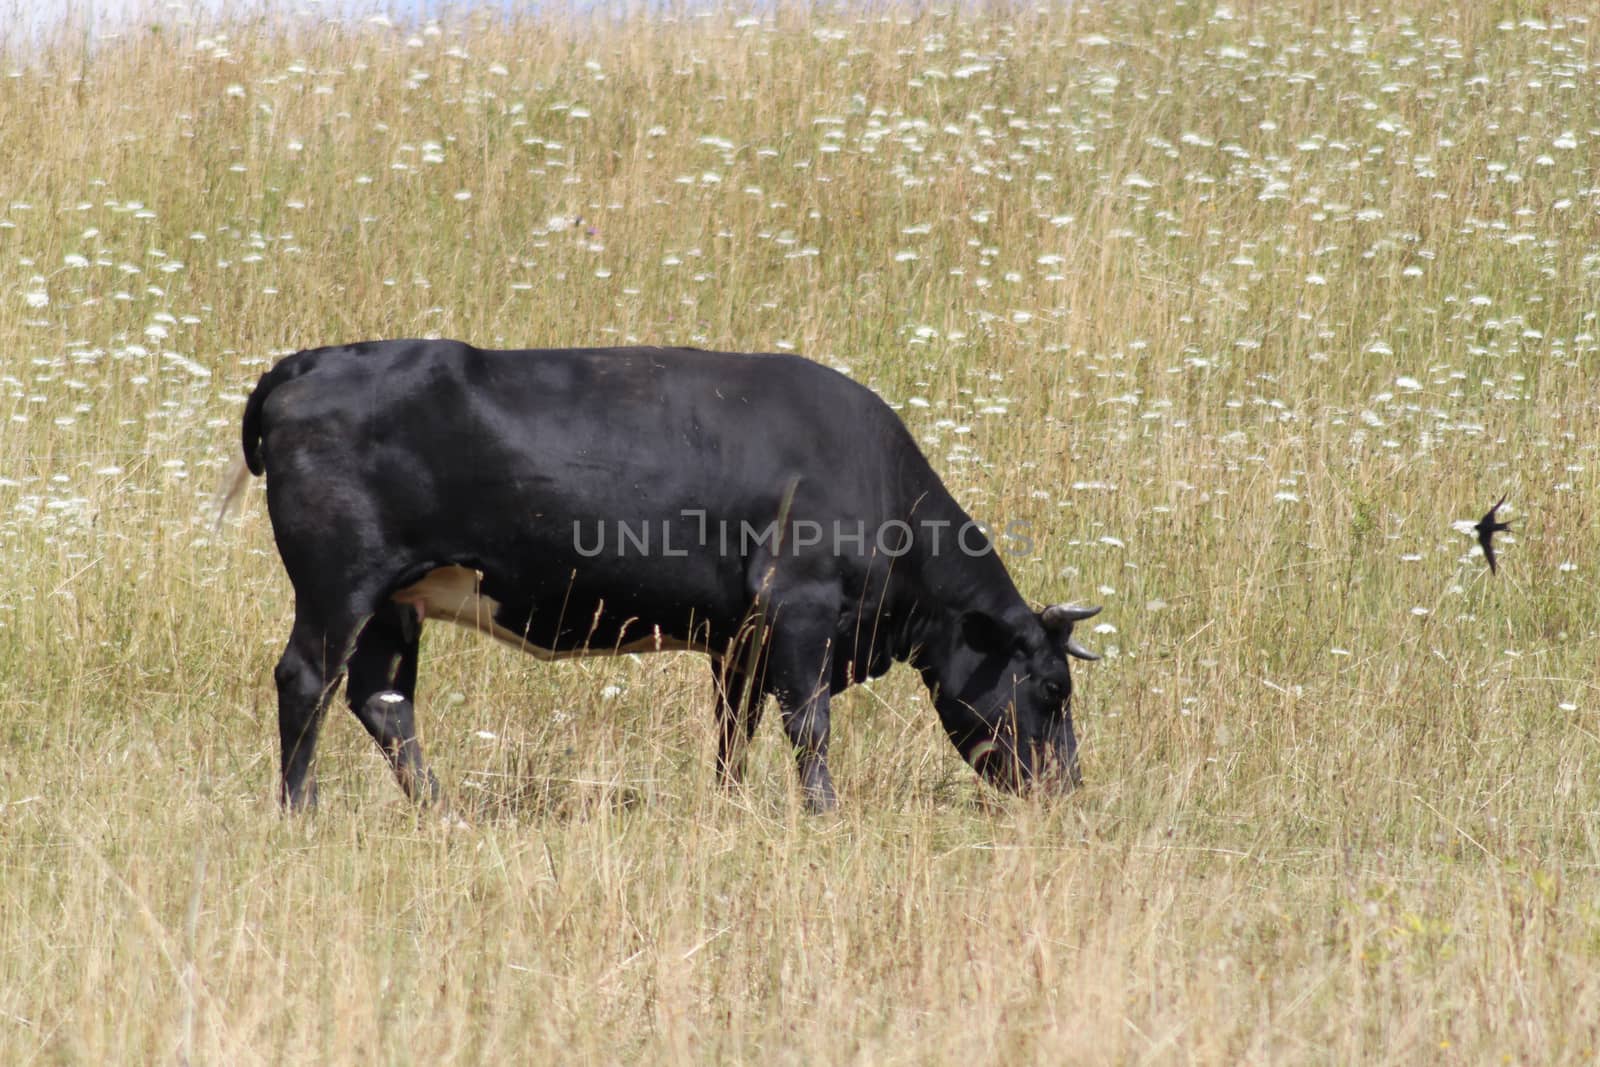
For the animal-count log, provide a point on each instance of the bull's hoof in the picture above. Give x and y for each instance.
(821, 801)
(422, 790)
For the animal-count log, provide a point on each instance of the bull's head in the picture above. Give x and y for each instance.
(1004, 694)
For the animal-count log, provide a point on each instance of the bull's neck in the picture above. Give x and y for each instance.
(946, 586)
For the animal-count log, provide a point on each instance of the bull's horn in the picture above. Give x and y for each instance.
(1058, 619)
(1059, 616)
(1077, 650)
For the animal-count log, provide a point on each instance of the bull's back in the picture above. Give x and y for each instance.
(623, 432)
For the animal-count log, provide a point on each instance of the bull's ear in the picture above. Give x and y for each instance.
(986, 634)
(1057, 620)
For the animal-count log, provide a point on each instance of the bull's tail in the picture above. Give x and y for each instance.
(250, 461)
(232, 485)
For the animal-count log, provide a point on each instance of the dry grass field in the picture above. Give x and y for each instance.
(1240, 307)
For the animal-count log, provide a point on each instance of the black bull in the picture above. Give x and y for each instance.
(765, 510)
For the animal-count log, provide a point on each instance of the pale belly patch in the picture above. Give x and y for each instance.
(455, 594)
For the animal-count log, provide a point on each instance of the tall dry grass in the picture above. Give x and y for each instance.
(1237, 308)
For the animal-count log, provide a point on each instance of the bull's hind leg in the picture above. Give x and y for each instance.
(306, 674)
(381, 690)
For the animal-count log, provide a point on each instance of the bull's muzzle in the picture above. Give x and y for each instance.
(1049, 766)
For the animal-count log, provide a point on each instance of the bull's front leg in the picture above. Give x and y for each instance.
(799, 672)
(738, 714)
(796, 620)
(806, 723)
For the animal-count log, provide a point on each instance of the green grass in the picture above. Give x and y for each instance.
(1238, 310)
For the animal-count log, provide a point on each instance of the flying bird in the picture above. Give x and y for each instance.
(1487, 527)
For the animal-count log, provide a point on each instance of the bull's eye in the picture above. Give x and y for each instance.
(1054, 693)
